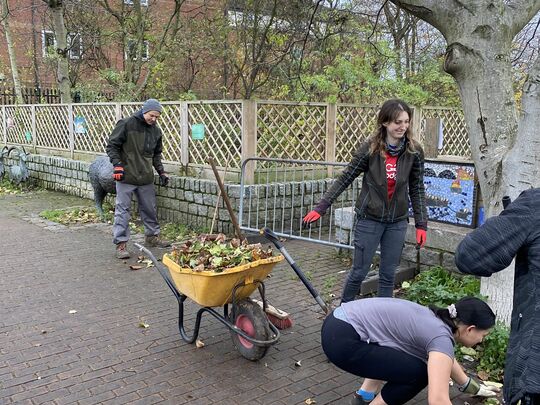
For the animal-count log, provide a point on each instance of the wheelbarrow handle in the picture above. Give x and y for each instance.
(161, 269)
(272, 237)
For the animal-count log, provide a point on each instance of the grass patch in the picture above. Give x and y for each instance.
(87, 215)
(177, 232)
(72, 216)
(8, 188)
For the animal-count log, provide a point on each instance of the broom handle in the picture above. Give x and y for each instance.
(274, 239)
(226, 199)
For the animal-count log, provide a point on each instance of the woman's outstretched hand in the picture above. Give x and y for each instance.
(311, 216)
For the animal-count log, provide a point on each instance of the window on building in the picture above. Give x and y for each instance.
(48, 43)
(143, 2)
(75, 45)
(131, 50)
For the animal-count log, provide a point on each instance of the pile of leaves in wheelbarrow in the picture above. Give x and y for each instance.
(216, 253)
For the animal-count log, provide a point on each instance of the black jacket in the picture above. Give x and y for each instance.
(491, 248)
(373, 201)
(137, 147)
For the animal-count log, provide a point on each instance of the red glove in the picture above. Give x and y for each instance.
(118, 173)
(420, 237)
(311, 216)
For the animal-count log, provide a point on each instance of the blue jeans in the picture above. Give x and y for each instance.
(368, 235)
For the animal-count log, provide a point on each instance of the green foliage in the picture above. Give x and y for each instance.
(77, 215)
(177, 232)
(440, 287)
(216, 253)
(493, 352)
(7, 187)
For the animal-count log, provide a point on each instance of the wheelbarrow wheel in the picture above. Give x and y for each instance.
(252, 320)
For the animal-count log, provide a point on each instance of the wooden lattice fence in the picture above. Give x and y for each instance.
(234, 130)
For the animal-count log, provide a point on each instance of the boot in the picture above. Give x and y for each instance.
(156, 241)
(121, 251)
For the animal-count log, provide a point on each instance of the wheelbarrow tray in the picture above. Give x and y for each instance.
(212, 289)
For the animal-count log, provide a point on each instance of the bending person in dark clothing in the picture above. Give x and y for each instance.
(491, 248)
(406, 345)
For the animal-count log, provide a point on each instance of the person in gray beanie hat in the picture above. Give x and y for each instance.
(151, 105)
(134, 148)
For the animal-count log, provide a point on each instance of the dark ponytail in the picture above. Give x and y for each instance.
(468, 311)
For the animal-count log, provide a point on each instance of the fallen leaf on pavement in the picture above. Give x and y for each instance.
(135, 267)
(143, 325)
(148, 263)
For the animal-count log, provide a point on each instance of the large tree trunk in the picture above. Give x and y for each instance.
(479, 35)
(62, 71)
(11, 51)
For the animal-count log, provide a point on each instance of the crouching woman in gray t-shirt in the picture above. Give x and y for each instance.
(405, 345)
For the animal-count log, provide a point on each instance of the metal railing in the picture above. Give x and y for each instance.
(286, 190)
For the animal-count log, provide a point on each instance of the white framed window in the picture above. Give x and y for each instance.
(131, 50)
(48, 43)
(143, 2)
(75, 45)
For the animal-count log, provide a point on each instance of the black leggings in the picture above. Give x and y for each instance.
(405, 375)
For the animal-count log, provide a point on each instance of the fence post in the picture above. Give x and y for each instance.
(184, 134)
(330, 150)
(249, 138)
(431, 137)
(71, 130)
(33, 129)
(4, 124)
(417, 122)
(118, 111)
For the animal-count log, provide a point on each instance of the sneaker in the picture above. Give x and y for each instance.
(358, 400)
(156, 241)
(121, 251)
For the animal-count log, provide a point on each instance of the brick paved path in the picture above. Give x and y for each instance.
(100, 354)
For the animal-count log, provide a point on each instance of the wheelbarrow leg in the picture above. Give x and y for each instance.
(271, 236)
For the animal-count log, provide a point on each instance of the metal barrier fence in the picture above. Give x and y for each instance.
(234, 130)
(286, 191)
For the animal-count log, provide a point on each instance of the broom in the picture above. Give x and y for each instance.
(280, 319)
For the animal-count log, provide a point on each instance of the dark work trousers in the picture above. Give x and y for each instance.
(531, 399)
(368, 235)
(405, 375)
(146, 198)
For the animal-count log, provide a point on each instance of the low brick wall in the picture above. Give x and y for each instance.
(193, 202)
(185, 200)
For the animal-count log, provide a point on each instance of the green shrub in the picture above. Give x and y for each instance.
(492, 352)
(440, 287)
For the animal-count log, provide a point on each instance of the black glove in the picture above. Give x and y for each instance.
(118, 173)
(163, 179)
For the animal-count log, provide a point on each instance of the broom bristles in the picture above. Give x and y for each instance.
(280, 323)
(280, 319)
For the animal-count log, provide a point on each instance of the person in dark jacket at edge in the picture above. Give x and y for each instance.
(491, 248)
(393, 166)
(135, 148)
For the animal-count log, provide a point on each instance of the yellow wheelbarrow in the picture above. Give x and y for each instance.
(251, 332)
